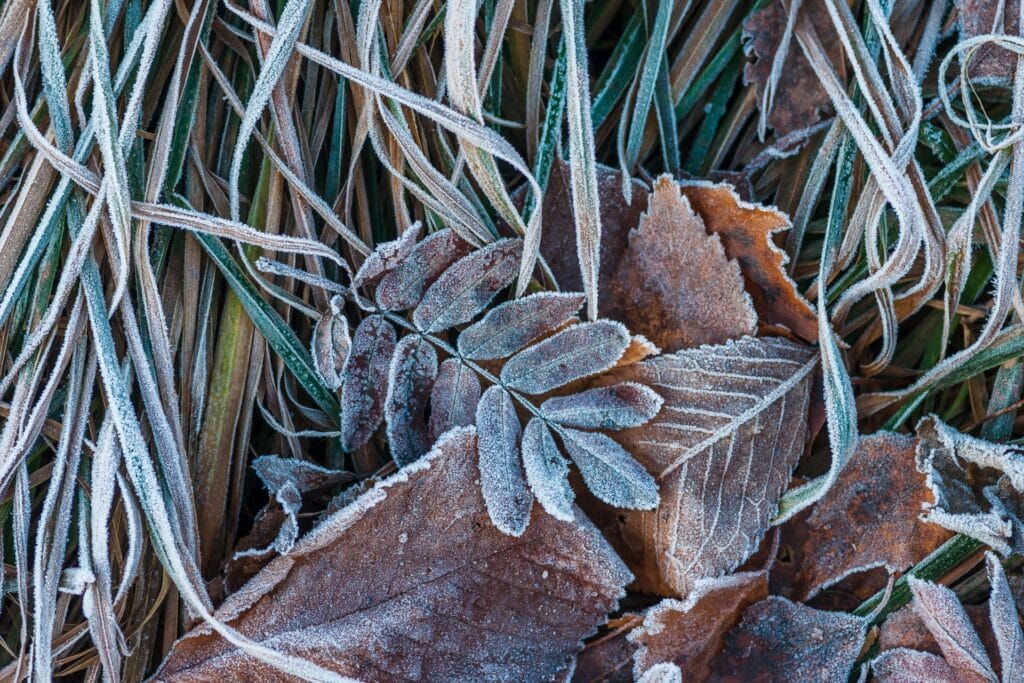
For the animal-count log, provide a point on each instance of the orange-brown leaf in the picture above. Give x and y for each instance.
(674, 284)
(411, 581)
(748, 234)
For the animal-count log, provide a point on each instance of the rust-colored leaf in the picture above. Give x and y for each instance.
(410, 379)
(609, 658)
(453, 399)
(465, 289)
(674, 284)
(691, 633)
(574, 353)
(502, 479)
(404, 286)
(722, 448)
(780, 640)
(366, 381)
(411, 582)
(748, 234)
(800, 101)
(512, 325)
(879, 497)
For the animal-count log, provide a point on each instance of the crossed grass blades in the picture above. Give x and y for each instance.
(522, 351)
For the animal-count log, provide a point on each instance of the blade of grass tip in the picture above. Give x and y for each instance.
(554, 115)
(582, 162)
(668, 132)
(463, 80)
(840, 407)
(274, 63)
(535, 77)
(647, 80)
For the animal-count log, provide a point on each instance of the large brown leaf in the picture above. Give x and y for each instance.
(723, 449)
(411, 582)
(780, 640)
(879, 497)
(691, 633)
(674, 284)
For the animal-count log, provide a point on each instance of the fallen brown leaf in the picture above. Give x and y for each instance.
(609, 659)
(992, 64)
(870, 517)
(674, 284)
(691, 633)
(748, 234)
(800, 101)
(412, 582)
(723, 449)
(780, 640)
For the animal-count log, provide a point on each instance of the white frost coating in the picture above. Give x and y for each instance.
(1002, 611)
(510, 326)
(618, 406)
(609, 471)
(666, 672)
(547, 471)
(502, 479)
(941, 611)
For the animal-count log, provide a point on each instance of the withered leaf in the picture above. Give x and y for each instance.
(722, 448)
(747, 233)
(512, 325)
(617, 406)
(276, 473)
(691, 633)
(878, 496)
(465, 289)
(674, 283)
(964, 657)
(609, 658)
(800, 101)
(502, 479)
(454, 398)
(574, 353)
(547, 470)
(609, 471)
(411, 582)
(992, 64)
(366, 381)
(780, 640)
(387, 256)
(331, 345)
(943, 453)
(412, 374)
(404, 286)
(662, 673)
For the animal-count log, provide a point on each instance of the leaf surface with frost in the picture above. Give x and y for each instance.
(512, 325)
(547, 471)
(674, 284)
(387, 256)
(412, 374)
(574, 353)
(722, 449)
(405, 285)
(331, 345)
(502, 479)
(453, 398)
(412, 582)
(618, 406)
(366, 381)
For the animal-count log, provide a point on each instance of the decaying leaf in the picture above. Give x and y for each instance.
(691, 633)
(574, 353)
(387, 256)
(799, 100)
(465, 289)
(412, 582)
(945, 456)
(422, 400)
(780, 640)
(512, 325)
(748, 234)
(879, 497)
(674, 283)
(964, 657)
(453, 398)
(366, 381)
(331, 345)
(405, 285)
(412, 375)
(992, 64)
(722, 448)
(502, 479)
